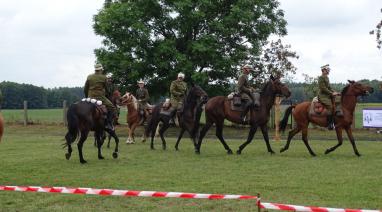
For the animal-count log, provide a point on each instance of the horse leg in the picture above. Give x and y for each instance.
(203, 133)
(129, 138)
(264, 130)
(291, 134)
(305, 140)
(165, 126)
(153, 131)
(84, 135)
(116, 139)
(69, 153)
(352, 141)
(339, 138)
(108, 142)
(99, 138)
(219, 134)
(251, 133)
(69, 140)
(179, 137)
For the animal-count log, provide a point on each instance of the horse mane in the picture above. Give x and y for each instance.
(265, 87)
(188, 99)
(344, 90)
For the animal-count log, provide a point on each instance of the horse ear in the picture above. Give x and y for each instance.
(351, 81)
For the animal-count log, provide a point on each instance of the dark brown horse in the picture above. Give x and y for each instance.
(218, 109)
(84, 117)
(189, 119)
(1, 126)
(302, 119)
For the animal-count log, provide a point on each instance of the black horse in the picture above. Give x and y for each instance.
(189, 118)
(218, 109)
(84, 117)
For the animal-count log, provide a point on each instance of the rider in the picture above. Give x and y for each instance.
(110, 88)
(95, 87)
(143, 97)
(178, 90)
(247, 94)
(325, 95)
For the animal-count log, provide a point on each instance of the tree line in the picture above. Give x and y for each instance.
(14, 94)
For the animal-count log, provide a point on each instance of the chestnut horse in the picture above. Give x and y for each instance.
(133, 117)
(1, 126)
(301, 116)
(218, 109)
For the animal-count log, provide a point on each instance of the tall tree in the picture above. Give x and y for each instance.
(207, 40)
(377, 32)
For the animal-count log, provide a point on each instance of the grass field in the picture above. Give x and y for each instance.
(33, 155)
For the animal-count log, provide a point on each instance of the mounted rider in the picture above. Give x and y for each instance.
(95, 87)
(326, 95)
(110, 88)
(178, 89)
(249, 97)
(143, 97)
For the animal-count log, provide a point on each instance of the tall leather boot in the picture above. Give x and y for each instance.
(330, 122)
(247, 105)
(109, 121)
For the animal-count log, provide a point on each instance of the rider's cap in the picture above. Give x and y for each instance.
(109, 75)
(325, 67)
(98, 67)
(181, 75)
(247, 66)
(141, 82)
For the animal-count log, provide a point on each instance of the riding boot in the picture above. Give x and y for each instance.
(330, 122)
(109, 120)
(339, 110)
(243, 114)
(141, 117)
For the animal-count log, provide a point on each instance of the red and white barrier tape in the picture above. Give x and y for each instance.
(131, 193)
(283, 207)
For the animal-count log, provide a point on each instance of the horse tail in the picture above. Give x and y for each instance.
(154, 116)
(284, 121)
(73, 126)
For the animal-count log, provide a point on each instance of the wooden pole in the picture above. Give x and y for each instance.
(277, 118)
(65, 111)
(25, 113)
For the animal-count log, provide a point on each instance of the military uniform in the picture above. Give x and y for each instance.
(178, 90)
(244, 89)
(143, 97)
(95, 88)
(325, 93)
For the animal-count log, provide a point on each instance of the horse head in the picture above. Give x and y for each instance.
(196, 92)
(357, 89)
(279, 87)
(116, 97)
(129, 99)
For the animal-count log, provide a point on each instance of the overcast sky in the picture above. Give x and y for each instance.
(50, 43)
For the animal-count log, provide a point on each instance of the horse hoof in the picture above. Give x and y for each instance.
(229, 152)
(272, 152)
(238, 152)
(152, 148)
(100, 158)
(83, 161)
(197, 152)
(313, 154)
(282, 150)
(67, 156)
(327, 151)
(115, 155)
(176, 149)
(359, 155)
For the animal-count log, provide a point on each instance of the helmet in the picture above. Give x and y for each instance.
(98, 67)
(247, 66)
(181, 75)
(109, 75)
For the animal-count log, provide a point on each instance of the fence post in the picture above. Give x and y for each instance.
(25, 113)
(65, 110)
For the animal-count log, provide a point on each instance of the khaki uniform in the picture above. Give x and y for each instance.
(95, 88)
(143, 97)
(244, 89)
(325, 93)
(178, 91)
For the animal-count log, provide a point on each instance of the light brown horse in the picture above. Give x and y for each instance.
(1, 126)
(302, 119)
(133, 117)
(218, 109)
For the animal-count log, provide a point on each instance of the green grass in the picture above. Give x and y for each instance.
(33, 156)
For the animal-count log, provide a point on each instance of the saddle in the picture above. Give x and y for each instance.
(235, 102)
(100, 108)
(317, 108)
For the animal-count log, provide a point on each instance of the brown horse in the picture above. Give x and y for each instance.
(301, 116)
(218, 109)
(1, 126)
(133, 117)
